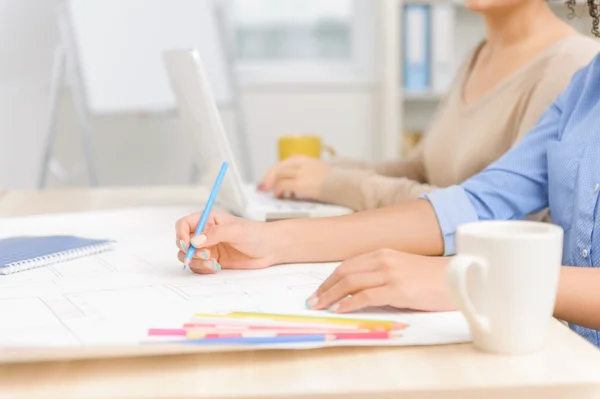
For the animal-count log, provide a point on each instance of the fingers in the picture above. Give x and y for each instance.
(205, 267)
(266, 183)
(288, 172)
(373, 297)
(282, 170)
(284, 188)
(359, 264)
(217, 235)
(203, 254)
(350, 284)
(201, 263)
(184, 228)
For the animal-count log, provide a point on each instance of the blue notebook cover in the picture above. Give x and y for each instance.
(24, 253)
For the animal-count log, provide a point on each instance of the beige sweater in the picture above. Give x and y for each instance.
(463, 139)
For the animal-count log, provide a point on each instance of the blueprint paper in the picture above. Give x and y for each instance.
(114, 297)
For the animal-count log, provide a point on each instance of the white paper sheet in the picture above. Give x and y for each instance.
(113, 298)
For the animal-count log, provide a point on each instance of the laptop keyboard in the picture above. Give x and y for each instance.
(267, 200)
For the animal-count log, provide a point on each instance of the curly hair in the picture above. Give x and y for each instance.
(594, 9)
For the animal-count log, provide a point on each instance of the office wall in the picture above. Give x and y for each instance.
(153, 150)
(27, 37)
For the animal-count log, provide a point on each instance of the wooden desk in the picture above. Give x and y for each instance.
(568, 367)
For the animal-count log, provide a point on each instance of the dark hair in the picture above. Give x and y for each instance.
(594, 9)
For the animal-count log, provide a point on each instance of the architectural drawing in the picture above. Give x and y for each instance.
(114, 297)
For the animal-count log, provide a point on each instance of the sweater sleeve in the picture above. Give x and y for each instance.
(362, 186)
(411, 167)
(363, 189)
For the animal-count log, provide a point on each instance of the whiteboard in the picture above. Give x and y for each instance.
(119, 47)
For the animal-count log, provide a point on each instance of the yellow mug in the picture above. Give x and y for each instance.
(310, 146)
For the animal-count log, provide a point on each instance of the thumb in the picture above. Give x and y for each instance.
(217, 234)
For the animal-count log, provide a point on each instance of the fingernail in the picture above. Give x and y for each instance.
(205, 255)
(215, 266)
(207, 265)
(183, 245)
(334, 307)
(198, 240)
(312, 301)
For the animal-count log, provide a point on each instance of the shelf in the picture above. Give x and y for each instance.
(426, 96)
(461, 3)
(455, 2)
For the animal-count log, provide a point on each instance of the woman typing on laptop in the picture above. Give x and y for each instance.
(499, 93)
(556, 165)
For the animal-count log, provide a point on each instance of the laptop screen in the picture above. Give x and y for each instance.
(202, 122)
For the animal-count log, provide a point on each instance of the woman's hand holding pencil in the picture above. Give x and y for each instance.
(225, 241)
(207, 240)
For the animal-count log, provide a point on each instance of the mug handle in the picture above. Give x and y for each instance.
(329, 150)
(457, 278)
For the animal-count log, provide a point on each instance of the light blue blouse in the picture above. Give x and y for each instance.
(557, 164)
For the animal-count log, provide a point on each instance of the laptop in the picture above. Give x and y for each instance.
(202, 120)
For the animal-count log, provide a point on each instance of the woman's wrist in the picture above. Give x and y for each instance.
(278, 242)
(288, 241)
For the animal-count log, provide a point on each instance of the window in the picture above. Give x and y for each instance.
(293, 29)
(302, 39)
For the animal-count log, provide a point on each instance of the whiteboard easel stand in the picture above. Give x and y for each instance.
(63, 68)
(66, 67)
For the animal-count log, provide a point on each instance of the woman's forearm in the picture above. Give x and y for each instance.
(410, 227)
(578, 298)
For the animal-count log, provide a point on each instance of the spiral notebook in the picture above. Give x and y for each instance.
(19, 254)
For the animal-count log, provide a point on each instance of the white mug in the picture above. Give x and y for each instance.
(504, 279)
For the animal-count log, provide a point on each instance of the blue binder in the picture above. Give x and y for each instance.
(416, 48)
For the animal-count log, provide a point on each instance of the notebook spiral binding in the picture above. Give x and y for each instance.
(56, 258)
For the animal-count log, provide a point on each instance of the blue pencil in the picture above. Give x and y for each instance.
(207, 209)
(286, 339)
